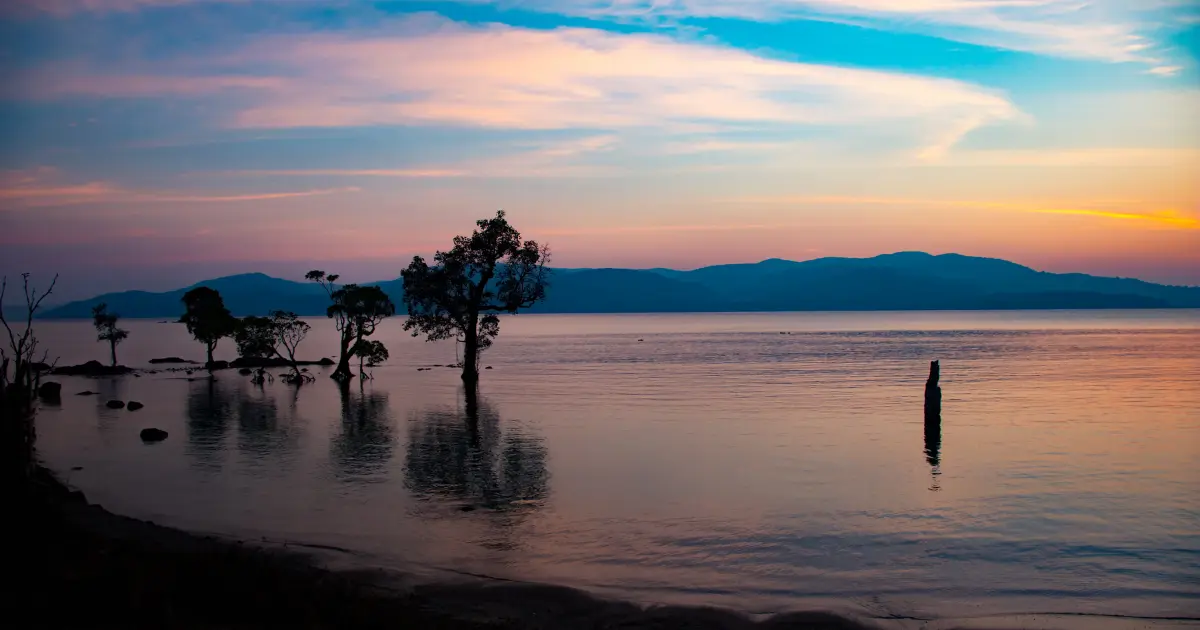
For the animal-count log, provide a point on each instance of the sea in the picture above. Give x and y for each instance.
(760, 462)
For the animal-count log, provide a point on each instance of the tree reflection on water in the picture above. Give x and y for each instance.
(209, 407)
(362, 449)
(462, 455)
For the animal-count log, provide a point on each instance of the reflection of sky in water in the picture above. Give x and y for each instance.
(736, 467)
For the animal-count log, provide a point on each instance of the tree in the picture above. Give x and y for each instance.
(289, 332)
(17, 430)
(278, 335)
(356, 311)
(490, 272)
(106, 328)
(24, 346)
(255, 337)
(369, 351)
(207, 318)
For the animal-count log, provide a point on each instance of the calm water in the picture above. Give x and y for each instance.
(699, 458)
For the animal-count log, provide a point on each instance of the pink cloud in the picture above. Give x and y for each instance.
(71, 7)
(443, 73)
(44, 187)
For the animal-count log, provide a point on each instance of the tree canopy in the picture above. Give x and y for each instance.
(492, 271)
(106, 328)
(206, 317)
(356, 311)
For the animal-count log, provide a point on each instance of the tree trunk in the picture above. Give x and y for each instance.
(211, 347)
(113, 347)
(342, 372)
(470, 373)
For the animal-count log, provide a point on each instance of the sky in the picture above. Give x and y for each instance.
(153, 143)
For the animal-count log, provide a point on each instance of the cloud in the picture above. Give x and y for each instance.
(1126, 209)
(1121, 156)
(351, 172)
(1165, 71)
(544, 159)
(43, 187)
(1108, 30)
(442, 73)
(72, 7)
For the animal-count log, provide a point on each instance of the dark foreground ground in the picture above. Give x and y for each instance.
(75, 565)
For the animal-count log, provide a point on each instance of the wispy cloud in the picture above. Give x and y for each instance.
(72, 7)
(1068, 158)
(1165, 71)
(443, 73)
(1109, 30)
(44, 187)
(530, 159)
(351, 172)
(1125, 210)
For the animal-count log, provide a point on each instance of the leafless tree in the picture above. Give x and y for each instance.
(22, 349)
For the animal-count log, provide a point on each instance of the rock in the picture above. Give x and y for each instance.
(76, 468)
(216, 365)
(91, 368)
(134, 405)
(153, 435)
(467, 508)
(187, 372)
(272, 362)
(88, 393)
(169, 360)
(50, 390)
(115, 404)
(245, 371)
(488, 367)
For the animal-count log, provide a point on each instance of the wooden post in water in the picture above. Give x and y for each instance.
(933, 423)
(933, 393)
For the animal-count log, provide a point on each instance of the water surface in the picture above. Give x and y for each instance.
(698, 459)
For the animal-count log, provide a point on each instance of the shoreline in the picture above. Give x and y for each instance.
(117, 571)
(113, 570)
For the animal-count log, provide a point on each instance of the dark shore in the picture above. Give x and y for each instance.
(80, 566)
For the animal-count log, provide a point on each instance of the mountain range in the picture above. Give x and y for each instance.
(900, 281)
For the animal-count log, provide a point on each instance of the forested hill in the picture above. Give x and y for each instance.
(901, 281)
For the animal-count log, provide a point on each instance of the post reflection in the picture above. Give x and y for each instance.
(209, 407)
(933, 449)
(362, 449)
(462, 455)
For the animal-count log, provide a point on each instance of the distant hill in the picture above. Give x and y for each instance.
(901, 281)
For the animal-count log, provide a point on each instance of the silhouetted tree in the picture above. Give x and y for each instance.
(22, 348)
(106, 328)
(490, 272)
(207, 318)
(356, 311)
(17, 431)
(289, 332)
(371, 352)
(255, 337)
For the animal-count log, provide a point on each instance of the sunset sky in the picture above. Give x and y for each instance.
(154, 143)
